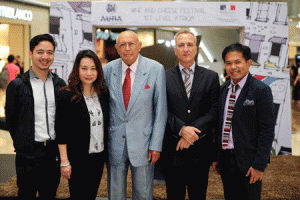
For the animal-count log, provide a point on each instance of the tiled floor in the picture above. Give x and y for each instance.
(295, 128)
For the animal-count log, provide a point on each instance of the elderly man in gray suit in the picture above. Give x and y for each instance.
(138, 114)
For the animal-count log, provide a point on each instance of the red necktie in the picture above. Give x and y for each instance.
(127, 88)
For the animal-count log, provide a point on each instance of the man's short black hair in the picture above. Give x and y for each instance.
(39, 38)
(11, 58)
(237, 47)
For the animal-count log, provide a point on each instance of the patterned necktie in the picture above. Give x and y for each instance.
(228, 120)
(187, 81)
(127, 88)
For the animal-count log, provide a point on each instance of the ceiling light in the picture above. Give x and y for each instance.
(160, 41)
(168, 43)
(206, 51)
(173, 43)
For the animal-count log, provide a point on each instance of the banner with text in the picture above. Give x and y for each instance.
(265, 32)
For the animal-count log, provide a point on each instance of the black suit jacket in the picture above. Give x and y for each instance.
(72, 124)
(199, 111)
(19, 112)
(253, 124)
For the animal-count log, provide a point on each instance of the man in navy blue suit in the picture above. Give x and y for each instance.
(246, 127)
(193, 100)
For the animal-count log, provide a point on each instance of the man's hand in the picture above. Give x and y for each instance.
(153, 156)
(189, 133)
(182, 144)
(215, 167)
(255, 175)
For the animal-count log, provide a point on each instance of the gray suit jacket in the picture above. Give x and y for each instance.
(142, 126)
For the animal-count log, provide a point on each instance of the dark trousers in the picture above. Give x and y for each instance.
(235, 183)
(86, 176)
(38, 173)
(190, 175)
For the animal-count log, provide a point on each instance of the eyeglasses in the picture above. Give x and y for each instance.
(130, 45)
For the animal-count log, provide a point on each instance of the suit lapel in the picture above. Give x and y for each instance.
(84, 109)
(198, 78)
(223, 97)
(139, 82)
(177, 77)
(103, 104)
(239, 102)
(117, 84)
(243, 94)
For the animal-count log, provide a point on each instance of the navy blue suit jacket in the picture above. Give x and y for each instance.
(253, 124)
(200, 111)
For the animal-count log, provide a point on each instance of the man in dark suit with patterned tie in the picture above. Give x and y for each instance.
(192, 95)
(246, 127)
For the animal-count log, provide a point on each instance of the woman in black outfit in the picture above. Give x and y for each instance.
(81, 126)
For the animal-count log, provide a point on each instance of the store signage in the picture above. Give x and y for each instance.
(12, 13)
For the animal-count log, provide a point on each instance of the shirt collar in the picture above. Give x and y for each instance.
(32, 74)
(192, 67)
(241, 83)
(133, 67)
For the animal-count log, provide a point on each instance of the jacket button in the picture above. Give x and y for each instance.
(189, 111)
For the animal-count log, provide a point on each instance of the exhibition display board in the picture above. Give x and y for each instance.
(264, 29)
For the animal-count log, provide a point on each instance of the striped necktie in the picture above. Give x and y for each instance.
(187, 81)
(228, 120)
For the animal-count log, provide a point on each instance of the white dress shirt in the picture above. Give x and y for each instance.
(133, 69)
(44, 107)
(192, 67)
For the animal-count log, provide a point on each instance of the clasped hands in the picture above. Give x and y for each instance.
(189, 136)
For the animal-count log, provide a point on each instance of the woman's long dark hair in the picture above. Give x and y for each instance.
(74, 82)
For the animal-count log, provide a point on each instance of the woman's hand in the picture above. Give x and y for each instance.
(66, 171)
(65, 167)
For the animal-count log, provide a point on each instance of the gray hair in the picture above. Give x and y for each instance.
(184, 32)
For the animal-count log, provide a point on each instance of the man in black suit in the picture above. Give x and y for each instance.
(245, 136)
(192, 113)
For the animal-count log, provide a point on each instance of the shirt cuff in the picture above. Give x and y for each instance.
(180, 131)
